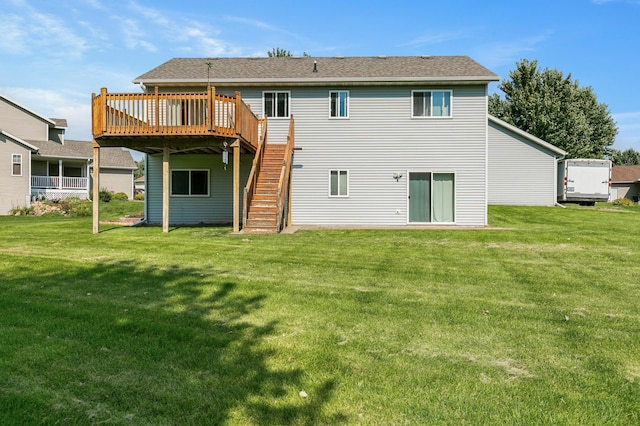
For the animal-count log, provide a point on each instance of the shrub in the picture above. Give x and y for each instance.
(22, 211)
(74, 206)
(139, 196)
(623, 202)
(104, 195)
(120, 196)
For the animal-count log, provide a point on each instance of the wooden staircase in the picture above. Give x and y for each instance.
(262, 217)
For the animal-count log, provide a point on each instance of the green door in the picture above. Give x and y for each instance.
(420, 197)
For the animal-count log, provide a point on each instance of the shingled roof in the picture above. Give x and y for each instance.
(300, 70)
(116, 158)
(625, 174)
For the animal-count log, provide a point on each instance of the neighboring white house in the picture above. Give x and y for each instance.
(36, 161)
(522, 168)
(378, 140)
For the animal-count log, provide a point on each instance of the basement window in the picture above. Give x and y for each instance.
(190, 183)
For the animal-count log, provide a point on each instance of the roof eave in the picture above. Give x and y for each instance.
(63, 157)
(318, 81)
(528, 136)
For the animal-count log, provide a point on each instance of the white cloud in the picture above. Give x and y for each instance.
(28, 31)
(14, 36)
(151, 15)
(508, 53)
(134, 36)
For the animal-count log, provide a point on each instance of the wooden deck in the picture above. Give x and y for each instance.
(188, 122)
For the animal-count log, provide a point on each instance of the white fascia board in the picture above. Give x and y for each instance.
(528, 136)
(382, 81)
(62, 157)
(20, 141)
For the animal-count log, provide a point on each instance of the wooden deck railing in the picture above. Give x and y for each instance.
(156, 114)
(255, 170)
(283, 194)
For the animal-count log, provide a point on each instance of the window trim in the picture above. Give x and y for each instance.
(276, 92)
(347, 106)
(190, 187)
(431, 91)
(338, 171)
(13, 164)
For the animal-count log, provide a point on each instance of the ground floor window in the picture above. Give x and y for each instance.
(16, 165)
(190, 182)
(431, 197)
(339, 183)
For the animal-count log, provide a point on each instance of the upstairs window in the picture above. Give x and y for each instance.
(339, 104)
(276, 104)
(16, 165)
(431, 103)
(190, 183)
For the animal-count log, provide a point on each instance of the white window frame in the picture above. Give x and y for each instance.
(346, 106)
(339, 171)
(190, 175)
(13, 163)
(275, 93)
(431, 116)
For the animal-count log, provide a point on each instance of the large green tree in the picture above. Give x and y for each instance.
(556, 109)
(628, 157)
(139, 171)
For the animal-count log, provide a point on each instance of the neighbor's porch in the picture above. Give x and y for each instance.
(57, 179)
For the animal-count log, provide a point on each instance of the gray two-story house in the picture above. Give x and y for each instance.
(392, 141)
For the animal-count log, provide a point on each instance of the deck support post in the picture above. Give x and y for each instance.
(96, 187)
(236, 186)
(165, 189)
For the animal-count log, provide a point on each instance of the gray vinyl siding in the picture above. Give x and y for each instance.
(520, 171)
(21, 123)
(217, 208)
(15, 191)
(381, 138)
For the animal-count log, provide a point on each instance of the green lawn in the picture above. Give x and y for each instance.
(535, 320)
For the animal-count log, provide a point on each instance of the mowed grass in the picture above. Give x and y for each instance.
(535, 320)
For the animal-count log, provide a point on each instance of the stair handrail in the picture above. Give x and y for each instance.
(255, 171)
(285, 174)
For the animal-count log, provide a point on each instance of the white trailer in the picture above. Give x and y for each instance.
(584, 181)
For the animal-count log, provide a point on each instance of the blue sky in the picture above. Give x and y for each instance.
(54, 54)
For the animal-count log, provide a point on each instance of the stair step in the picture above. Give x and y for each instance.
(268, 230)
(261, 224)
(262, 212)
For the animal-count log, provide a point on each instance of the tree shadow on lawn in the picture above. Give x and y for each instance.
(146, 345)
